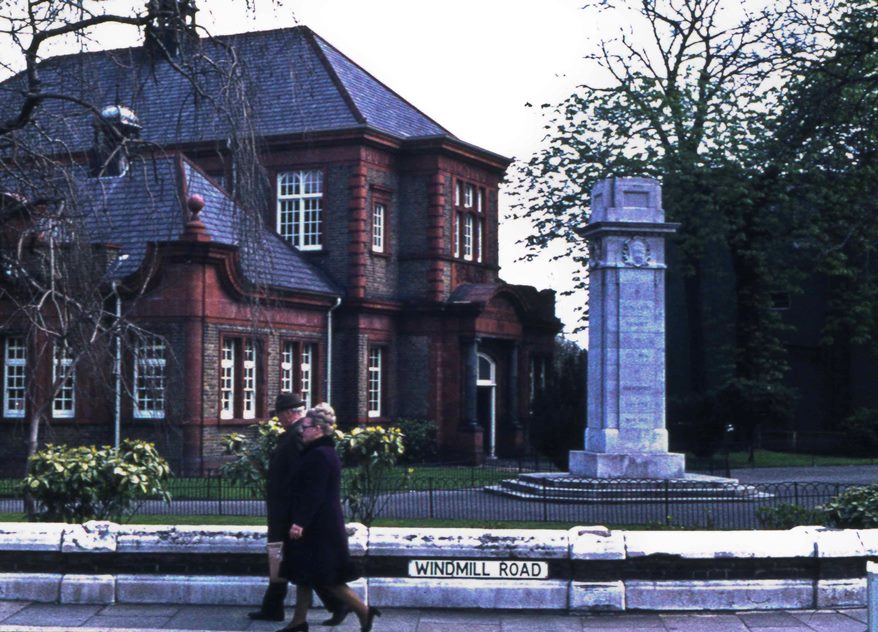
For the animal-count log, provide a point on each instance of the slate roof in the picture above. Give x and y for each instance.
(297, 83)
(146, 205)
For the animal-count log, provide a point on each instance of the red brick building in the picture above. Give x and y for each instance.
(372, 280)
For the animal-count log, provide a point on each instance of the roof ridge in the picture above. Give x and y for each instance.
(373, 78)
(311, 37)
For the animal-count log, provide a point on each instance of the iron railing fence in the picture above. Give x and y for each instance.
(609, 503)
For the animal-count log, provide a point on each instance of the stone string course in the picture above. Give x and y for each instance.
(590, 568)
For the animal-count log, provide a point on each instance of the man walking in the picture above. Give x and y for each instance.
(289, 409)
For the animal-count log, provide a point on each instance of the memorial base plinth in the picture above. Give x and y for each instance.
(662, 465)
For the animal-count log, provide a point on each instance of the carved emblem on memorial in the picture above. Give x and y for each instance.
(636, 253)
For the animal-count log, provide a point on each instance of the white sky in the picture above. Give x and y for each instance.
(471, 65)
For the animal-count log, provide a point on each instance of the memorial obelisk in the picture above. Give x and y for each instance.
(626, 435)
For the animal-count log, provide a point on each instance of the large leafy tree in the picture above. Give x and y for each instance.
(689, 96)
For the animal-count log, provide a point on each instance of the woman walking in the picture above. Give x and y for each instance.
(317, 555)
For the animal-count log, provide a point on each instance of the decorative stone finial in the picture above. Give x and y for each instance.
(195, 203)
(195, 229)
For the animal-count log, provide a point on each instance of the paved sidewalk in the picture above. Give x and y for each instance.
(20, 616)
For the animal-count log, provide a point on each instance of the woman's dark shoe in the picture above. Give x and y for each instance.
(370, 617)
(301, 627)
(262, 615)
(338, 616)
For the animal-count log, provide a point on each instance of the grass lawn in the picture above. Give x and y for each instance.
(768, 458)
(419, 478)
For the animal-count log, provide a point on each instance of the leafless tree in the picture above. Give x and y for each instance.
(57, 270)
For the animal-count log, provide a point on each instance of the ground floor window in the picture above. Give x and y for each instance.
(296, 372)
(14, 380)
(375, 380)
(240, 393)
(64, 376)
(149, 377)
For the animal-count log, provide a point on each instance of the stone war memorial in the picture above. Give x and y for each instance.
(626, 435)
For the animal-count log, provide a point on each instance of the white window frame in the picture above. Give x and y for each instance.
(379, 214)
(149, 377)
(374, 381)
(14, 376)
(287, 374)
(479, 239)
(468, 221)
(468, 195)
(309, 351)
(480, 200)
(248, 380)
(455, 235)
(64, 402)
(227, 379)
(300, 208)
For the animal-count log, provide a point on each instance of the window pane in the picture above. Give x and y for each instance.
(15, 369)
(375, 358)
(249, 381)
(378, 228)
(300, 208)
(286, 366)
(468, 237)
(227, 380)
(308, 355)
(64, 403)
(149, 377)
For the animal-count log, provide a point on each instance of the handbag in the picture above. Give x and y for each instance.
(275, 552)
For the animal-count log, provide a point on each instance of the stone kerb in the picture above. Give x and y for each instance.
(584, 568)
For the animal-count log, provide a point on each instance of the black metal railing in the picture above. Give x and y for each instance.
(466, 497)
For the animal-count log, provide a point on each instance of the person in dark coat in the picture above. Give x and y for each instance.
(316, 556)
(289, 409)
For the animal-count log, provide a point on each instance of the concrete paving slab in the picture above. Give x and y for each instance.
(546, 623)
(9, 608)
(626, 622)
(760, 620)
(830, 621)
(38, 614)
(211, 618)
(136, 610)
(703, 622)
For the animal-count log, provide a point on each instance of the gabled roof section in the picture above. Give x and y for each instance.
(147, 205)
(378, 105)
(295, 82)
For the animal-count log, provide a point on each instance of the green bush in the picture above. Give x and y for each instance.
(854, 508)
(252, 455)
(77, 484)
(372, 453)
(419, 438)
(787, 516)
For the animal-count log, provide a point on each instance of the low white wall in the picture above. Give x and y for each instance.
(584, 568)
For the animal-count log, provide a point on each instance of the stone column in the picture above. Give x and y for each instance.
(626, 435)
(513, 387)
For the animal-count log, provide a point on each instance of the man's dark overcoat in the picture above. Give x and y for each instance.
(321, 556)
(282, 464)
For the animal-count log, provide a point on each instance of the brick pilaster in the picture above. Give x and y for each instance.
(357, 232)
(436, 237)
